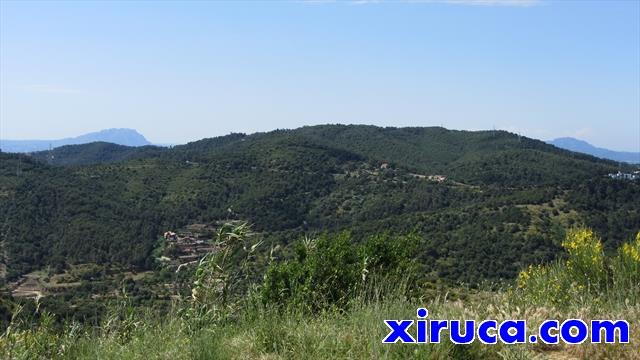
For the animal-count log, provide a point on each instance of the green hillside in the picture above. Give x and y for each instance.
(503, 204)
(93, 153)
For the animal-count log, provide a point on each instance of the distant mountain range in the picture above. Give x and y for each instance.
(577, 145)
(128, 137)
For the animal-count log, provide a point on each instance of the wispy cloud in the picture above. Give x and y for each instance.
(50, 89)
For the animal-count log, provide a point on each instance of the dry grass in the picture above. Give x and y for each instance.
(256, 332)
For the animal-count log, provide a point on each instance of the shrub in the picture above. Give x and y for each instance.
(545, 283)
(332, 270)
(324, 272)
(587, 277)
(586, 258)
(625, 268)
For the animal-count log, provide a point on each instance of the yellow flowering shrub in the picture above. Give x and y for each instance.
(631, 252)
(587, 277)
(626, 267)
(584, 272)
(544, 283)
(525, 276)
(586, 257)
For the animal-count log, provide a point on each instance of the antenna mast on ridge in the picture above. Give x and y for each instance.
(50, 155)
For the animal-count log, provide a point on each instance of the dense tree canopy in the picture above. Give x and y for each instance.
(503, 203)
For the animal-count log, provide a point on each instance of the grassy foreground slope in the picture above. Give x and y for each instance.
(356, 335)
(592, 285)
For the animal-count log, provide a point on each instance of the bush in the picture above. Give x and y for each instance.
(325, 271)
(587, 277)
(330, 271)
(626, 269)
(586, 258)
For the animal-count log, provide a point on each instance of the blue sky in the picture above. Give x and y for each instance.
(178, 72)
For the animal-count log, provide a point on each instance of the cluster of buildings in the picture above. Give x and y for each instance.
(625, 176)
(188, 246)
(437, 178)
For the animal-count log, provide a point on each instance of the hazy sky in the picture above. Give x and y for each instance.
(183, 71)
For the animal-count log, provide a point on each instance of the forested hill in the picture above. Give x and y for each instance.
(501, 202)
(419, 149)
(94, 153)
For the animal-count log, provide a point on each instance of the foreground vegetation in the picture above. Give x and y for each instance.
(290, 314)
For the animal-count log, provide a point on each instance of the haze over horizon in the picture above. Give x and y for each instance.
(181, 72)
(3, 141)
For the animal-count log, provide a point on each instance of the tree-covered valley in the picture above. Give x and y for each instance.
(236, 241)
(483, 205)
